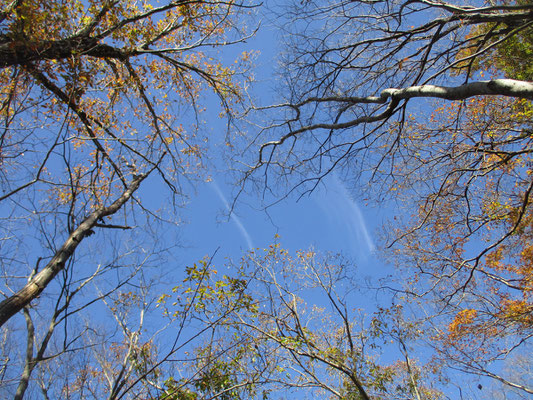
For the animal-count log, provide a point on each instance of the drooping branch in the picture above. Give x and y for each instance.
(40, 281)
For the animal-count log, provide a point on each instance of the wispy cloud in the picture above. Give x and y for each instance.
(233, 217)
(339, 206)
(356, 219)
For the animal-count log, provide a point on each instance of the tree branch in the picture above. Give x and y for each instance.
(38, 283)
(495, 87)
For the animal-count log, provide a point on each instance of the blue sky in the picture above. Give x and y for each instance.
(329, 219)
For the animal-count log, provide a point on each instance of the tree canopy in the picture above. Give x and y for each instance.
(97, 96)
(86, 111)
(426, 104)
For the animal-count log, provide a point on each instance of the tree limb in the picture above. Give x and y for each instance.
(38, 283)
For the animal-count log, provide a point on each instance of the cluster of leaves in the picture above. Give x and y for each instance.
(216, 380)
(508, 49)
